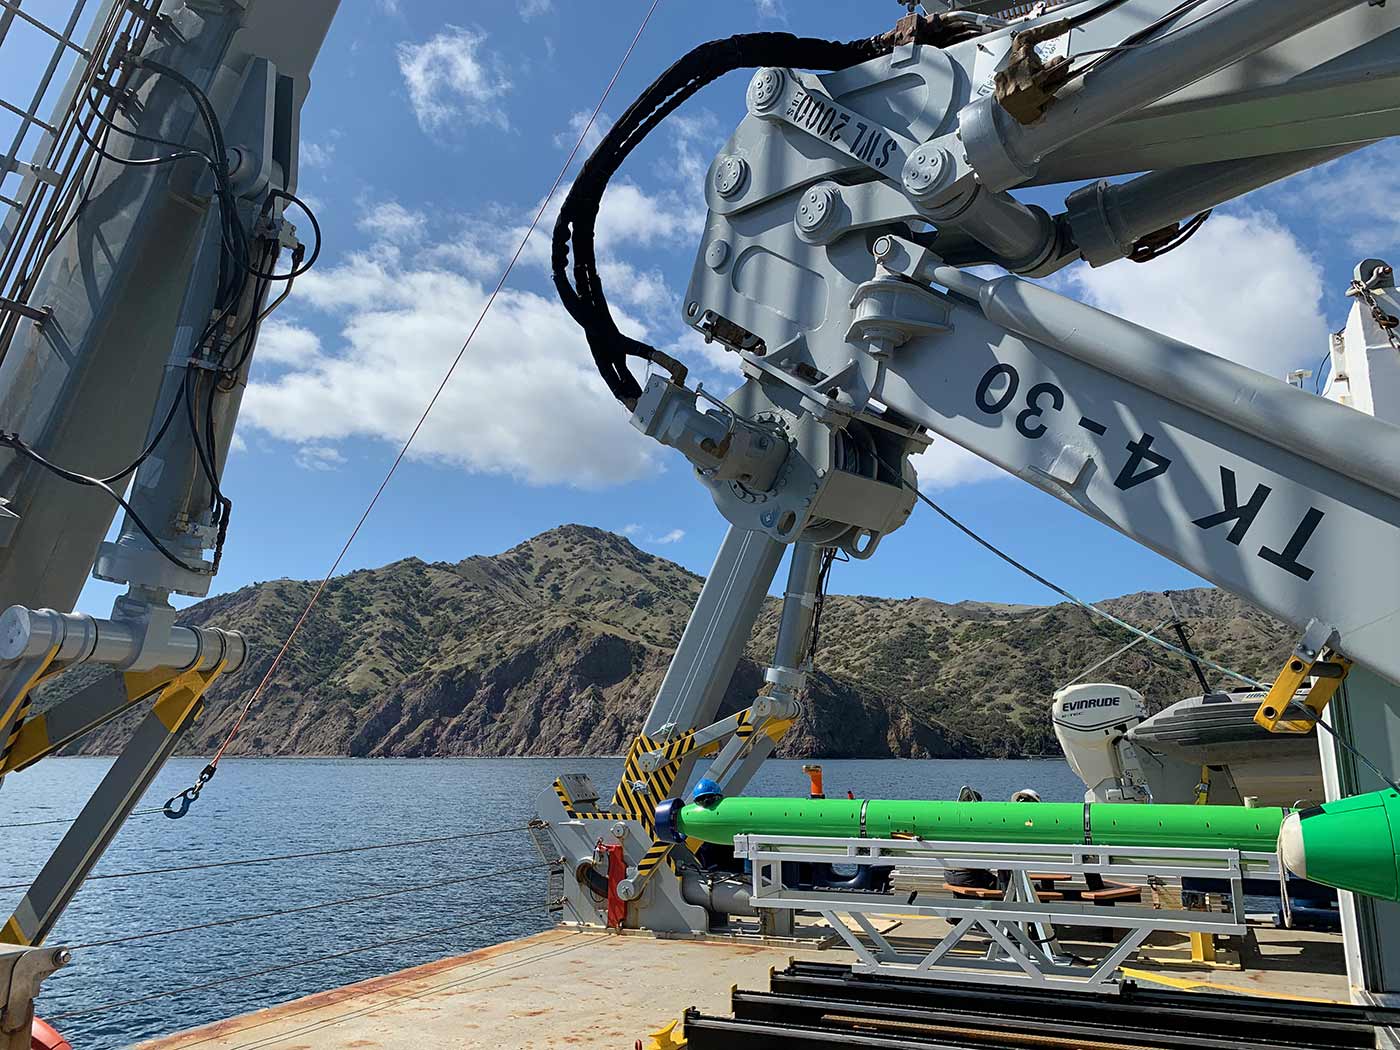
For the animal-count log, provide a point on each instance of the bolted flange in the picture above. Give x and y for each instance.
(731, 175)
(925, 172)
(765, 89)
(818, 208)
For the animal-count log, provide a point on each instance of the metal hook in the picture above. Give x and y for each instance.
(178, 805)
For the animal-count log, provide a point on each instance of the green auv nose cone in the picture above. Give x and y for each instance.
(1350, 844)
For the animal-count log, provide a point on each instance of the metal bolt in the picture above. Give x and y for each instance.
(619, 830)
(764, 89)
(883, 247)
(731, 175)
(692, 309)
(925, 171)
(716, 253)
(818, 207)
(769, 519)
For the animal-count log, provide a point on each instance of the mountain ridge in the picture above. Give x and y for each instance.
(557, 646)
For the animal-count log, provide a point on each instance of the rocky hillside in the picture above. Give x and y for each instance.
(558, 645)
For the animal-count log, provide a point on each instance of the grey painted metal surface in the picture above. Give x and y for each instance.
(22, 971)
(125, 295)
(1005, 153)
(1021, 927)
(716, 634)
(1366, 716)
(82, 386)
(815, 267)
(1253, 484)
(82, 845)
(1106, 220)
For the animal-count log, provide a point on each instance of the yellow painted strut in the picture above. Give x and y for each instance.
(1328, 671)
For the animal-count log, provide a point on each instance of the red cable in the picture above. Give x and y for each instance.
(505, 275)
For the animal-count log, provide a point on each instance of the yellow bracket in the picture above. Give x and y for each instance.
(181, 695)
(1330, 669)
(667, 1038)
(30, 741)
(1203, 788)
(16, 712)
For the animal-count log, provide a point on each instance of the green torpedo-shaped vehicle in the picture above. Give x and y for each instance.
(1350, 844)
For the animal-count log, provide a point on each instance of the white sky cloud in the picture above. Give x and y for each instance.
(1353, 198)
(284, 343)
(317, 154)
(525, 401)
(319, 457)
(453, 77)
(944, 465)
(697, 137)
(635, 531)
(394, 223)
(534, 8)
(579, 121)
(1243, 288)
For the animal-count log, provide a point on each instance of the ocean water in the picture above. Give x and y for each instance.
(113, 995)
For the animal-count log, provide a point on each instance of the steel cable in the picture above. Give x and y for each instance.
(432, 401)
(241, 861)
(70, 820)
(423, 887)
(1147, 636)
(203, 985)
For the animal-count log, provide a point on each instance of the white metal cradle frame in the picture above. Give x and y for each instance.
(1020, 928)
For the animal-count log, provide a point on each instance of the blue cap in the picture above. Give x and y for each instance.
(667, 823)
(707, 792)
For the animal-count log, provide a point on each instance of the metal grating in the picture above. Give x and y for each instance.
(549, 853)
(55, 68)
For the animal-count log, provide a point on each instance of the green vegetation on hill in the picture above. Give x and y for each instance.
(558, 645)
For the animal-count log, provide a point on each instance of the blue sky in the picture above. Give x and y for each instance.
(433, 130)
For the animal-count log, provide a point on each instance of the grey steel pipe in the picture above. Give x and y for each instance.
(1005, 153)
(721, 898)
(1334, 436)
(116, 643)
(799, 606)
(1107, 219)
(1018, 235)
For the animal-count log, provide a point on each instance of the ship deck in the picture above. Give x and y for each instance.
(588, 988)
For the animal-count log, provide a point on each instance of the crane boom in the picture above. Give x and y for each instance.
(845, 214)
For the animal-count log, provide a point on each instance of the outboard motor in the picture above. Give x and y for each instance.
(1092, 721)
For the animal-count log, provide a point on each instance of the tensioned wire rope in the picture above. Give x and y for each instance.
(1146, 636)
(432, 402)
(235, 862)
(425, 887)
(203, 985)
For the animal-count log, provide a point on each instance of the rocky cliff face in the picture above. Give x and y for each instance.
(558, 645)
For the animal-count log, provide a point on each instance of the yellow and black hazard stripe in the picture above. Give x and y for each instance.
(574, 813)
(658, 784)
(655, 854)
(565, 801)
(744, 727)
(12, 738)
(627, 798)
